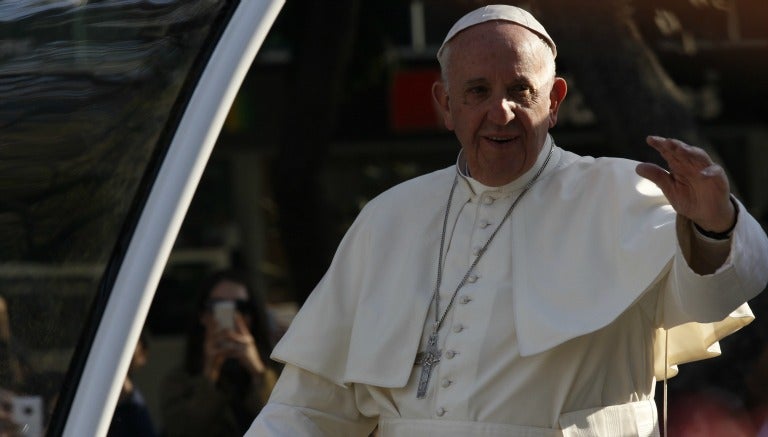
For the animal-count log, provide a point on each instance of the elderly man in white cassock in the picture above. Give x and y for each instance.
(525, 290)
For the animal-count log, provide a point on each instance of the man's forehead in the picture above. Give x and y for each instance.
(512, 36)
(497, 49)
(479, 62)
(511, 14)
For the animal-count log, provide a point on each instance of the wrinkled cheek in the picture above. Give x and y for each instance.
(544, 121)
(467, 139)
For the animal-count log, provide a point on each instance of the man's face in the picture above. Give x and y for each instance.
(500, 98)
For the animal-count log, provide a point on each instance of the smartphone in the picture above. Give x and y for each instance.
(224, 314)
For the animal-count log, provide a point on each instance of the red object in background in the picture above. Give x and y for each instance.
(708, 414)
(411, 108)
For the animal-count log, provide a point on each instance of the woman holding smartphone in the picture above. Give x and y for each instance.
(227, 375)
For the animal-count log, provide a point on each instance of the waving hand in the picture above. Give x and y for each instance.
(695, 186)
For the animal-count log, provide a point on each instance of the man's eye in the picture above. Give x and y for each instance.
(522, 94)
(475, 95)
(477, 90)
(521, 89)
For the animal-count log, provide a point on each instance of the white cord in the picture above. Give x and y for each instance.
(666, 366)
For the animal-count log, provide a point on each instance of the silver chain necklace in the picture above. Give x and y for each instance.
(431, 356)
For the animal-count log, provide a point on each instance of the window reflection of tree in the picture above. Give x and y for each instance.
(86, 90)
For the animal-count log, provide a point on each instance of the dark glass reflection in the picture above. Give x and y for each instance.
(86, 94)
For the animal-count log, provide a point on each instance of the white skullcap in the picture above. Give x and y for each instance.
(512, 14)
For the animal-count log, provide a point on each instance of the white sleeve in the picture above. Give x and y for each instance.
(304, 404)
(698, 310)
(711, 297)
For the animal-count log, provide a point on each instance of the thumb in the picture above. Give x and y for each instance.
(655, 174)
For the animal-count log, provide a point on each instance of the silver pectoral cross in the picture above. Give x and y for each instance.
(427, 359)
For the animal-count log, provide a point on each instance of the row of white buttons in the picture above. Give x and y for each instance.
(483, 224)
(450, 354)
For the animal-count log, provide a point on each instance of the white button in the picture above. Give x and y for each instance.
(440, 411)
(472, 279)
(450, 354)
(445, 382)
(488, 200)
(484, 223)
(458, 327)
(465, 300)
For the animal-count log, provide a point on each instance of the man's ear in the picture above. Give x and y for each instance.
(556, 97)
(440, 96)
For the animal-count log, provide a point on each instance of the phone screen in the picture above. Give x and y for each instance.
(224, 313)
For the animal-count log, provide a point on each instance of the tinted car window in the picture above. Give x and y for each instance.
(87, 92)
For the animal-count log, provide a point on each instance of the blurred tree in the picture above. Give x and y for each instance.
(623, 82)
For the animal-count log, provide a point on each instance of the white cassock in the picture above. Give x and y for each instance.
(559, 330)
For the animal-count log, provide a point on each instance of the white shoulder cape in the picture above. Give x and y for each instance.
(588, 243)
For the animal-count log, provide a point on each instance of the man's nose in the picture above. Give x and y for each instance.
(502, 111)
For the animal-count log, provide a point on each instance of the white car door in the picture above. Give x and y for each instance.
(108, 113)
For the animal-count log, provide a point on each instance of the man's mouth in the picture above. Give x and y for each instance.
(500, 139)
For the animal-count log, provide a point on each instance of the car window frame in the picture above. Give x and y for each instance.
(161, 216)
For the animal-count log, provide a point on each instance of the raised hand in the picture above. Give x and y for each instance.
(695, 186)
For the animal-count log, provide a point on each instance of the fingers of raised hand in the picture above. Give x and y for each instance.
(679, 155)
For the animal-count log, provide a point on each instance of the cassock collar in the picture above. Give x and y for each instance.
(474, 188)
